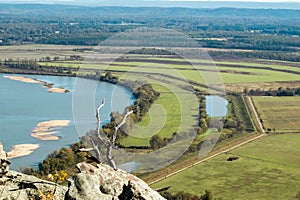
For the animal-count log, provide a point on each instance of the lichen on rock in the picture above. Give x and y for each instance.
(103, 182)
(93, 182)
(4, 165)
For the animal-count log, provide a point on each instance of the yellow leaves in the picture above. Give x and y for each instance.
(48, 196)
(63, 175)
(58, 176)
(50, 177)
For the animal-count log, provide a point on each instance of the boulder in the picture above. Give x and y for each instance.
(103, 182)
(25, 187)
(93, 182)
(4, 165)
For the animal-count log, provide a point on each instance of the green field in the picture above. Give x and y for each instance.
(279, 113)
(163, 123)
(242, 112)
(266, 169)
(176, 110)
(231, 72)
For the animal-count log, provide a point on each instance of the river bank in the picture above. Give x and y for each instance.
(22, 150)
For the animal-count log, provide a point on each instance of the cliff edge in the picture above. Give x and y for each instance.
(92, 182)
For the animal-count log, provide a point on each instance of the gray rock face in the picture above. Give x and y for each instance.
(4, 165)
(25, 187)
(101, 182)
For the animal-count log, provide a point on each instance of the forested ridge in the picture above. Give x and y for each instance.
(272, 32)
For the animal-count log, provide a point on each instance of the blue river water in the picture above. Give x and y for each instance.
(24, 105)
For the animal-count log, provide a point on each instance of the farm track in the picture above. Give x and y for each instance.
(253, 112)
(196, 160)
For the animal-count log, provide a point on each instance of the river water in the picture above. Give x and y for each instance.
(24, 105)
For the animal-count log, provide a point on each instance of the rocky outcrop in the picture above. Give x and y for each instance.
(25, 187)
(15, 185)
(103, 182)
(4, 165)
(93, 182)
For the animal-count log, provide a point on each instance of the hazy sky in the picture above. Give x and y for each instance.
(36, 1)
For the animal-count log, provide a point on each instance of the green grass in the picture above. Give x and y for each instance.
(242, 112)
(266, 169)
(166, 121)
(228, 74)
(281, 113)
(166, 116)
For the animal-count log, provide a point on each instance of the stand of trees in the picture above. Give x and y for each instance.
(63, 159)
(279, 92)
(145, 96)
(30, 64)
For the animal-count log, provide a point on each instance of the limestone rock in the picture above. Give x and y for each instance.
(25, 187)
(4, 165)
(103, 182)
(100, 182)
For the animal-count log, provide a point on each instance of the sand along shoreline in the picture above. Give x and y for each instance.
(50, 87)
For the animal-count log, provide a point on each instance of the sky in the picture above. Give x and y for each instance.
(36, 1)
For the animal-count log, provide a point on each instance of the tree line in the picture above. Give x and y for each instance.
(279, 92)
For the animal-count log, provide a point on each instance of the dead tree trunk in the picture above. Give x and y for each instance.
(109, 144)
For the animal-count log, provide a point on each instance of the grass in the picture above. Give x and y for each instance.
(266, 169)
(281, 113)
(168, 115)
(163, 120)
(242, 112)
(229, 71)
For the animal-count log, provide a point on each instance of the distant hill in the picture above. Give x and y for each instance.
(84, 11)
(167, 3)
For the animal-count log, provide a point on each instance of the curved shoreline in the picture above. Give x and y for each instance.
(27, 149)
(50, 87)
(22, 150)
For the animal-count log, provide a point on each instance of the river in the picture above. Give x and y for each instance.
(24, 105)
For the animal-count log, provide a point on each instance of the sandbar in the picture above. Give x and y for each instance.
(47, 130)
(35, 81)
(58, 90)
(22, 150)
(24, 79)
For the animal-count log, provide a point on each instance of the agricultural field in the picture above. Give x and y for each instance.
(231, 72)
(279, 114)
(260, 163)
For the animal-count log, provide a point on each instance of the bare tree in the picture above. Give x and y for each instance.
(106, 142)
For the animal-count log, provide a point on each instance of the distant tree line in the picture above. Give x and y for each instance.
(31, 64)
(272, 55)
(279, 92)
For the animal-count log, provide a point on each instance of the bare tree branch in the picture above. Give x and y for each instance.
(119, 126)
(106, 142)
